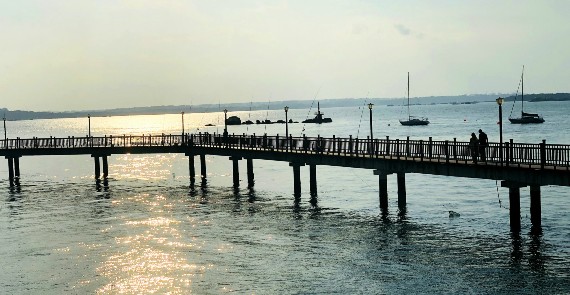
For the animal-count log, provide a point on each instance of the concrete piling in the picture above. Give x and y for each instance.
(401, 177)
(313, 179)
(250, 174)
(535, 206)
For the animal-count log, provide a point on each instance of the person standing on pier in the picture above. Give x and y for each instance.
(483, 142)
(473, 147)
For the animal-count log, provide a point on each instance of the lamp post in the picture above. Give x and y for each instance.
(371, 136)
(4, 129)
(500, 101)
(182, 127)
(286, 128)
(225, 125)
(89, 129)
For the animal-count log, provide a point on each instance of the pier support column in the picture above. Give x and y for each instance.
(235, 164)
(313, 179)
(296, 178)
(97, 167)
(11, 170)
(250, 175)
(401, 177)
(191, 168)
(535, 207)
(514, 203)
(383, 185)
(105, 167)
(17, 168)
(203, 167)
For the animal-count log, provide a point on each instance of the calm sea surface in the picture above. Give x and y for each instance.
(150, 232)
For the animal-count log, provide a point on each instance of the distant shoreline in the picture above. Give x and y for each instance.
(16, 115)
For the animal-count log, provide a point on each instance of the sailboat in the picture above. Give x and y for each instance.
(413, 121)
(525, 118)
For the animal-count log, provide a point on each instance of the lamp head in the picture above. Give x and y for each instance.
(225, 111)
(500, 100)
(88, 116)
(370, 105)
(286, 109)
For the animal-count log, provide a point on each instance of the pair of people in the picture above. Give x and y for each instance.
(477, 146)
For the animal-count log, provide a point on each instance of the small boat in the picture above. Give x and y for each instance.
(318, 119)
(413, 121)
(525, 118)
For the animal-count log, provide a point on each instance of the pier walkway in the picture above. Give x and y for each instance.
(516, 165)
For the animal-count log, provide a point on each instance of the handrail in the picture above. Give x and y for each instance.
(514, 154)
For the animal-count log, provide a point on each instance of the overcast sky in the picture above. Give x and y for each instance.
(77, 54)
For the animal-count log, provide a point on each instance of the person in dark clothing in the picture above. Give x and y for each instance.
(483, 142)
(473, 147)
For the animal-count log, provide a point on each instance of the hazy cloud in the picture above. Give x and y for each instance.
(72, 55)
(403, 29)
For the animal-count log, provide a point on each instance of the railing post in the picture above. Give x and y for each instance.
(543, 154)
(455, 149)
(356, 150)
(397, 148)
(350, 145)
(334, 144)
(421, 150)
(388, 146)
(277, 141)
(407, 147)
(511, 149)
(376, 146)
(430, 146)
(507, 155)
(447, 151)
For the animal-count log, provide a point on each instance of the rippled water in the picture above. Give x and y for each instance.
(148, 231)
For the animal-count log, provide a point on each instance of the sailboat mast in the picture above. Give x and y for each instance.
(409, 96)
(522, 91)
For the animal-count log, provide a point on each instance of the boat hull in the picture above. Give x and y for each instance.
(318, 121)
(526, 120)
(414, 122)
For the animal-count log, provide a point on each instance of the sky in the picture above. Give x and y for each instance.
(64, 55)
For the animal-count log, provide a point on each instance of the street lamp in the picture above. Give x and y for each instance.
(286, 126)
(4, 128)
(371, 136)
(500, 101)
(89, 119)
(182, 127)
(225, 125)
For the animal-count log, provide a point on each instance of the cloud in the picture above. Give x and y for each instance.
(403, 29)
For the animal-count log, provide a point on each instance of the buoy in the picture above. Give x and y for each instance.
(453, 214)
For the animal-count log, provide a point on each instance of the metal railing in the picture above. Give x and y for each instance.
(514, 154)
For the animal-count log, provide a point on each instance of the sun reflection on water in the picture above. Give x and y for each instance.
(150, 254)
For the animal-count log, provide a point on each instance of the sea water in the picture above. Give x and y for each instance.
(149, 231)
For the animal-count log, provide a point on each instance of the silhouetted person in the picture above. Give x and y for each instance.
(473, 147)
(483, 142)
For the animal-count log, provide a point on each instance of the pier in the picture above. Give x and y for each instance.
(516, 165)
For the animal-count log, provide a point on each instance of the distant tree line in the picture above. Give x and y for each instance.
(273, 105)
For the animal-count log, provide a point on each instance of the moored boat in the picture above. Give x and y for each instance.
(525, 118)
(318, 119)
